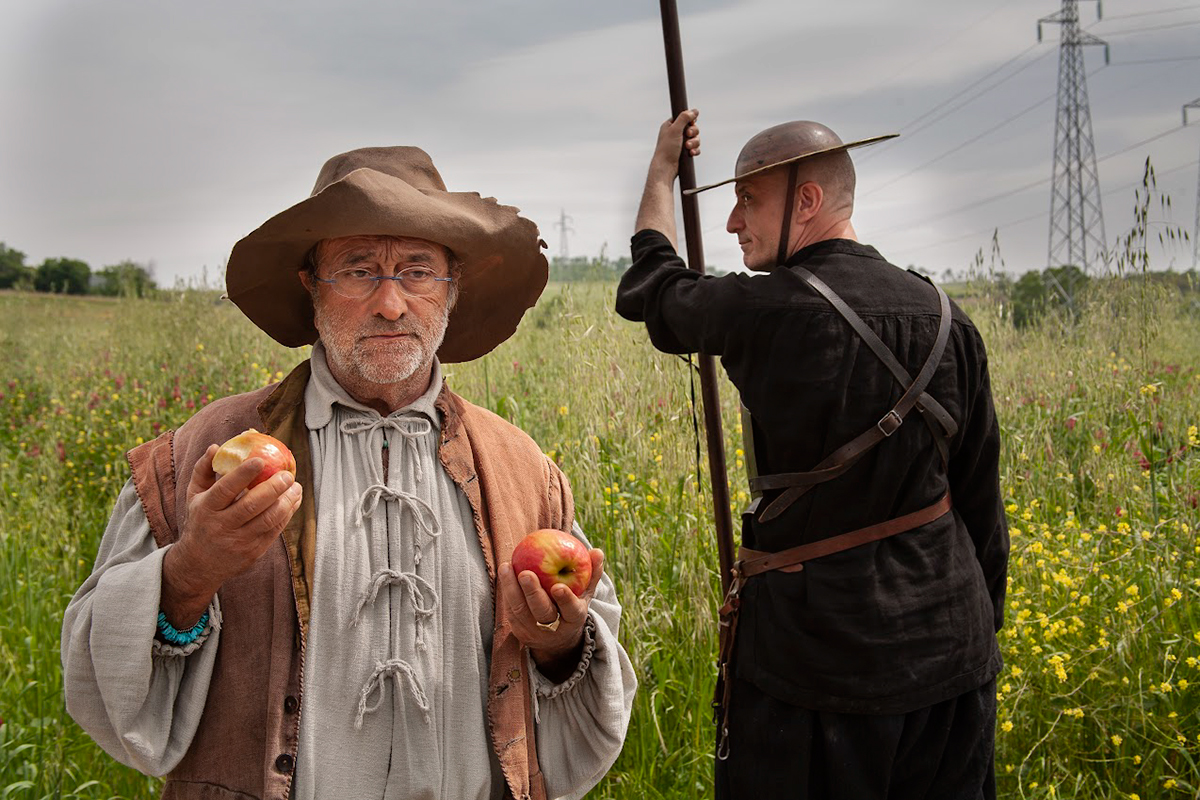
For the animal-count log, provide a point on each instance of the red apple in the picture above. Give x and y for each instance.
(554, 557)
(252, 444)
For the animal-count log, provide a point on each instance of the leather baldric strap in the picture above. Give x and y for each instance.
(796, 484)
(924, 402)
(755, 562)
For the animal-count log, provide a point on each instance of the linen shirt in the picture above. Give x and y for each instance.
(399, 638)
(886, 627)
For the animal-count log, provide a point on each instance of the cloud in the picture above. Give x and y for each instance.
(167, 131)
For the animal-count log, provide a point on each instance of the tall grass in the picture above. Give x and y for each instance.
(1101, 471)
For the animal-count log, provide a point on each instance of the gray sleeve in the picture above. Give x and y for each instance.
(581, 722)
(139, 699)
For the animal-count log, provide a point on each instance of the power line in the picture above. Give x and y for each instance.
(1014, 118)
(1154, 138)
(1172, 26)
(1023, 188)
(1153, 61)
(1152, 13)
(972, 140)
(955, 149)
(1042, 215)
(1010, 119)
(908, 134)
(910, 131)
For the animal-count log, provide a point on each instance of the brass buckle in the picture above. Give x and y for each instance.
(889, 423)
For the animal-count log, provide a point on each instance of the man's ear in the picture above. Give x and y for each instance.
(305, 280)
(810, 198)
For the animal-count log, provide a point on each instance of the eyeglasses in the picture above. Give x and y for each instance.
(356, 283)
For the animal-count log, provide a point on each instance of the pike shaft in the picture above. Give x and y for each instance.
(710, 397)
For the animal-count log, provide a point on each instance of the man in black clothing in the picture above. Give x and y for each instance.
(864, 664)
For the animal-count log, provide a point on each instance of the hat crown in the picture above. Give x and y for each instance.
(409, 164)
(784, 142)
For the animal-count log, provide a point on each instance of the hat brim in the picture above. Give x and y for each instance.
(503, 268)
(793, 159)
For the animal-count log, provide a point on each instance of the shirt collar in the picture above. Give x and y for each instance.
(829, 247)
(324, 392)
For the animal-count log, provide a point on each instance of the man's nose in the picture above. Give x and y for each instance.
(735, 222)
(388, 301)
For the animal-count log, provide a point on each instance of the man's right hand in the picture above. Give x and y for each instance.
(657, 209)
(228, 527)
(674, 136)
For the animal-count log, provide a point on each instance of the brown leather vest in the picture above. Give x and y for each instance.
(245, 746)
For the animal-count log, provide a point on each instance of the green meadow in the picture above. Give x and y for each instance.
(1100, 470)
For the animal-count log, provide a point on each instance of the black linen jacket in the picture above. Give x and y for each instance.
(887, 627)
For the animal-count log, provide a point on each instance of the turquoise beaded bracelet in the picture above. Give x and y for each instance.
(180, 638)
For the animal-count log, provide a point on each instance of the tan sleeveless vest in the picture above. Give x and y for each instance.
(245, 746)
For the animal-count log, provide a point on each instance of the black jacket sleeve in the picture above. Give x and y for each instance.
(975, 484)
(682, 309)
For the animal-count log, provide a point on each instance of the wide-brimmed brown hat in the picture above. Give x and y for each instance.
(394, 191)
(786, 144)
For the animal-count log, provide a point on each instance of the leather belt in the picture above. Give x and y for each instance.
(756, 562)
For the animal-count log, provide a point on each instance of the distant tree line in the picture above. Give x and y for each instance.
(1062, 291)
(72, 276)
(597, 268)
(587, 268)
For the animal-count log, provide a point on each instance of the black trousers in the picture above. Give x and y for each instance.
(779, 751)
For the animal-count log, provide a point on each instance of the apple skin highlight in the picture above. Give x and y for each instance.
(252, 444)
(554, 557)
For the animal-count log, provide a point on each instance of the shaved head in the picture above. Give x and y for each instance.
(792, 142)
(834, 173)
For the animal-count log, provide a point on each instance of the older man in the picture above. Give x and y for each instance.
(871, 582)
(357, 631)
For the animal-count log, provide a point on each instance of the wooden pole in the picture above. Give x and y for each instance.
(710, 397)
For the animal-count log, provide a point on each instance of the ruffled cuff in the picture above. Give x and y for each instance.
(161, 649)
(548, 689)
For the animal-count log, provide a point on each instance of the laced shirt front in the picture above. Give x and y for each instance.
(396, 668)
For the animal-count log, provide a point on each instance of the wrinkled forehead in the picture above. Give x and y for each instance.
(782, 142)
(351, 249)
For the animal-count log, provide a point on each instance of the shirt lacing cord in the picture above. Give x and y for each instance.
(424, 597)
(393, 668)
(426, 520)
(410, 429)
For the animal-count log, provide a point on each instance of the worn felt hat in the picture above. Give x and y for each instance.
(785, 144)
(394, 191)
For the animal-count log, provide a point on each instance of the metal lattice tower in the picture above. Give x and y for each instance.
(564, 227)
(1196, 230)
(1076, 219)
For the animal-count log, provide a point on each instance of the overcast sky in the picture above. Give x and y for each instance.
(164, 131)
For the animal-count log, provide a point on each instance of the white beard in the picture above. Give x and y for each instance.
(352, 356)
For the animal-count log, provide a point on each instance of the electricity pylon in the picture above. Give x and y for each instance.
(1076, 219)
(564, 228)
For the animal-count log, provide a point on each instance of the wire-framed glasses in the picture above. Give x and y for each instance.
(356, 283)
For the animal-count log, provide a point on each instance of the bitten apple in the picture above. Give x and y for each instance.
(554, 557)
(252, 444)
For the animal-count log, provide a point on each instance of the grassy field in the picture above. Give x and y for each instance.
(1101, 470)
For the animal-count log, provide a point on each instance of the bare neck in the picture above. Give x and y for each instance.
(822, 231)
(384, 397)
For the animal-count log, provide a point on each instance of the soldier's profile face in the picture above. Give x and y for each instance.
(757, 216)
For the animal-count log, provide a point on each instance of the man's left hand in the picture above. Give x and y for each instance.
(556, 652)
